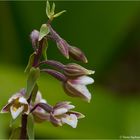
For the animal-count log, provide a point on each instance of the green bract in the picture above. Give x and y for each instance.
(44, 30)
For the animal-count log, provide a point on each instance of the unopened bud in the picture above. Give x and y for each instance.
(34, 38)
(63, 47)
(75, 70)
(77, 54)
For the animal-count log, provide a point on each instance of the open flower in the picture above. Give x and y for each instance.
(17, 104)
(77, 87)
(62, 114)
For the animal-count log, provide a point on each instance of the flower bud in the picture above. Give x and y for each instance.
(61, 43)
(77, 54)
(63, 47)
(34, 38)
(75, 70)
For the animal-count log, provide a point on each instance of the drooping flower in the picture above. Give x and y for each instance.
(77, 87)
(74, 86)
(62, 114)
(16, 105)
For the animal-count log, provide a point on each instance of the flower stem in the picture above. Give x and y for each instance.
(23, 134)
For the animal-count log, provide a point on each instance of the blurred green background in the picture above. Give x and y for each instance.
(108, 33)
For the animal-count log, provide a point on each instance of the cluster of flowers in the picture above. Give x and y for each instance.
(73, 76)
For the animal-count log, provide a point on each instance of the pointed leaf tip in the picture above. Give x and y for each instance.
(58, 14)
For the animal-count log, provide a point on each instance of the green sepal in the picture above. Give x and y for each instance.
(44, 30)
(34, 92)
(31, 81)
(44, 49)
(58, 14)
(30, 127)
(15, 133)
(30, 62)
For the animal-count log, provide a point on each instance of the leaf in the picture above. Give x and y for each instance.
(15, 133)
(44, 30)
(30, 62)
(34, 92)
(48, 9)
(30, 127)
(58, 14)
(31, 81)
(44, 49)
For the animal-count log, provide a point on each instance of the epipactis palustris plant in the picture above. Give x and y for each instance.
(28, 102)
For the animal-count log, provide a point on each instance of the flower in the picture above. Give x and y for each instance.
(17, 104)
(73, 83)
(62, 114)
(77, 87)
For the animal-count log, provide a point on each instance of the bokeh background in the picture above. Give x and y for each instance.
(108, 33)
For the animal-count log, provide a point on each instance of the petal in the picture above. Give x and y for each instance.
(70, 120)
(38, 97)
(16, 111)
(22, 100)
(83, 89)
(6, 108)
(60, 111)
(64, 104)
(78, 114)
(14, 97)
(55, 121)
(82, 80)
(61, 104)
(43, 101)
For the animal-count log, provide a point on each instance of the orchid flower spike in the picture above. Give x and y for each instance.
(16, 105)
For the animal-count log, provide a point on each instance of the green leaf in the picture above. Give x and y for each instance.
(44, 49)
(15, 133)
(30, 127)
(30, 62)
(34, 92)
(31, 81)
(48, 9)
(58, 14)
(44, 30)
(52, 9)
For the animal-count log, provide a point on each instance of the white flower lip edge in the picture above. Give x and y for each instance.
(71, 120)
